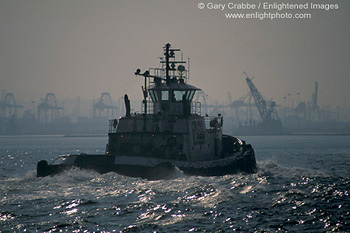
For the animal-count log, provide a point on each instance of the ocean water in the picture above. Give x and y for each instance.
(302, 185)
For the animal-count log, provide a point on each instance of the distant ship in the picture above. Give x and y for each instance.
(168, 134)
(273, 127)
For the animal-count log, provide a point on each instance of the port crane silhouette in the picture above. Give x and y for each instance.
(267, 113)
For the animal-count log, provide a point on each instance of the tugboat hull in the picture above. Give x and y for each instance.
(151, 168)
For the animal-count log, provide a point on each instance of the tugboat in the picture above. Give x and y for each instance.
(167, 135)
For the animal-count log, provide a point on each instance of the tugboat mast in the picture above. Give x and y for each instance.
(169, 53)
(167, 67)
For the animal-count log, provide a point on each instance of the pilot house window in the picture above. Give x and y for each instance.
(165, 95)
(153, 95)
(177, 96)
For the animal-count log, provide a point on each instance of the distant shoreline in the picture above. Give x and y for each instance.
(105, 135)
(297, 134)
(52, 135)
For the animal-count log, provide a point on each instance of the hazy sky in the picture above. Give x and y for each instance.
(86, 47)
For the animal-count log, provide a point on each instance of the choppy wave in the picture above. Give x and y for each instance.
(80, 199)
(271, 168)
(287, 194)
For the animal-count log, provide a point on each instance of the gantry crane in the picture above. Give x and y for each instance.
(8, 106)
(48, 109)
(103, 106)
(267, 114)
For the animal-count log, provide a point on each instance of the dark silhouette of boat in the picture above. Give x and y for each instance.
(168, 134)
